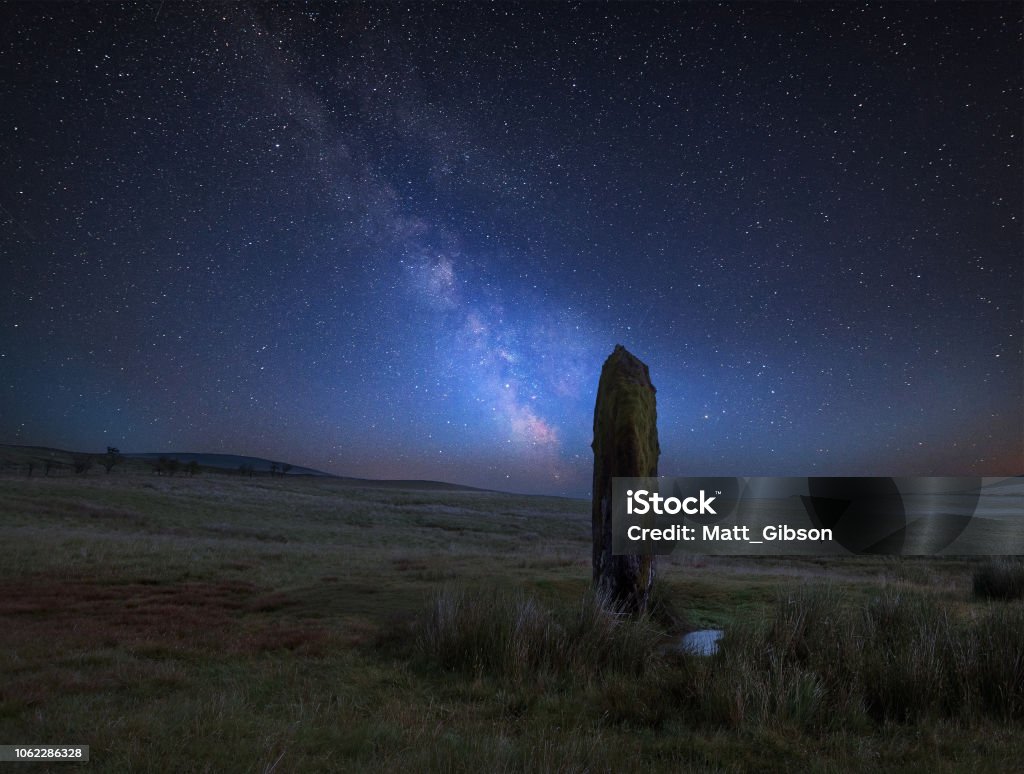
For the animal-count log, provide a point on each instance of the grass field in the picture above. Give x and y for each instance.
(223, 623)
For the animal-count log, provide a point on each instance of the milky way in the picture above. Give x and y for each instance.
(399, 242)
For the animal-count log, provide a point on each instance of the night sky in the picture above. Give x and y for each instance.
(399, 241)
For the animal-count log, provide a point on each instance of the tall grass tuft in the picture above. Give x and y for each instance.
(911, 659)
(814, 662)
(780, 670)
(899, 658)
(994, 670)
(1000, 579)
(509, 634)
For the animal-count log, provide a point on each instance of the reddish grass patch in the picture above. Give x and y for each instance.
(63, 616)
(63, 636)
(270, 602)
(308, 640)
(86, 614)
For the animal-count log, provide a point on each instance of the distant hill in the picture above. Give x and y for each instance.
(14, 459)
(18, 456)
(227, 462)
(412, 483)
(261, 465)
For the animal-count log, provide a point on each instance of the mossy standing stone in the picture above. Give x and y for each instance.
(625, 444)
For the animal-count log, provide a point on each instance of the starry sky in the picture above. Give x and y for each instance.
(398, 241)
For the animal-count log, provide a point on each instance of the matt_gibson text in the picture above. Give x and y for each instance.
(716, 532)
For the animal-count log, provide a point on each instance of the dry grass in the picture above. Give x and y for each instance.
(1000, 579)
(302, 625)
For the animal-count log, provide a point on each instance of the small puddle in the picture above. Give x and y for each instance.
(701, 643)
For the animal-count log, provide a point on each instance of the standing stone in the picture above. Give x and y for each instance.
(625, 444)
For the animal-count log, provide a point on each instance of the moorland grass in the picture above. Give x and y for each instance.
(811, 662)
(230, 624)
(511, 635)
(1000, 579)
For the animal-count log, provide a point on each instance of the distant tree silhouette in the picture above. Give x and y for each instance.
(166, 466)
(111, 458)
(83, 463)
(285, 468)
(273, 468)
(192, 467)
